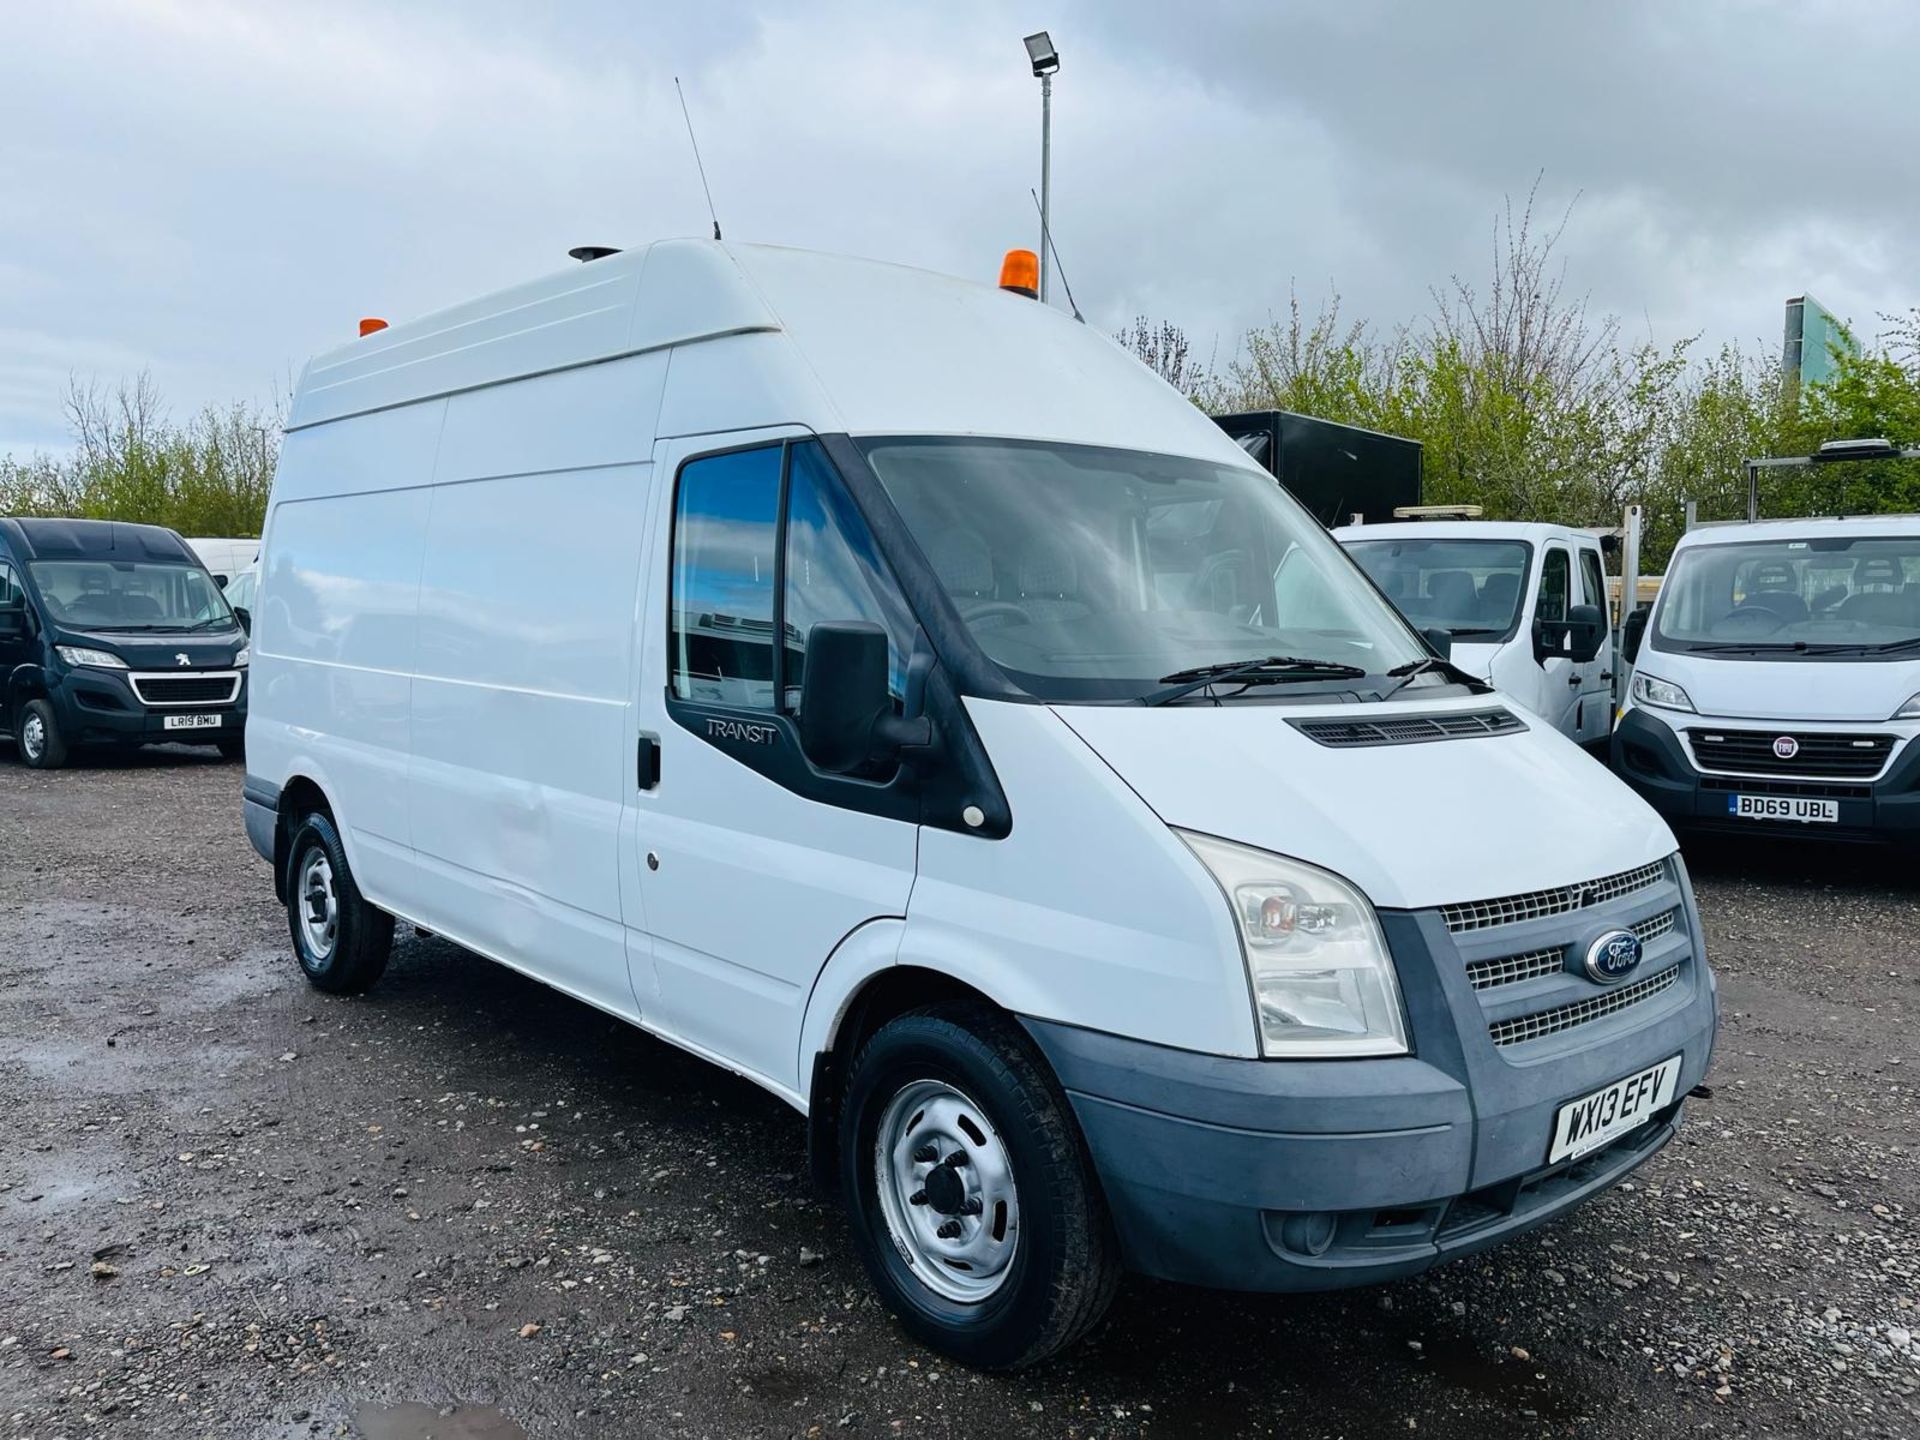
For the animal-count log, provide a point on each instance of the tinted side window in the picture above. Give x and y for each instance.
(11, 595)
(725, 522)
(1556, 580)
(834, 572)
(1595, 578)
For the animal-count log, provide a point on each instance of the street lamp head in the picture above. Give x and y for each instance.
(1040, 51)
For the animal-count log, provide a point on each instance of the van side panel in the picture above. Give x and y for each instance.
(333, 642)
(520, 702)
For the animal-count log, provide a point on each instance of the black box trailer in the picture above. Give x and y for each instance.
(1336, 471)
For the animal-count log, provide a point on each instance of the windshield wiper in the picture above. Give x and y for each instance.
(1267, 670)
(1405, 675)
(206, 624)
(1804, 647)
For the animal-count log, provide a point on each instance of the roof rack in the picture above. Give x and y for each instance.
(1437, 512)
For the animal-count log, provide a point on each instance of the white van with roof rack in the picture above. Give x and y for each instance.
(1523, 605)
(887, 688)
(1776, 688)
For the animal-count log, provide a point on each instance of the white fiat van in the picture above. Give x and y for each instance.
(887, 688)
(1525, 605)
(1777, 686)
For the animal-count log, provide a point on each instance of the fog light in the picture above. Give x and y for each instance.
(1309, 1233)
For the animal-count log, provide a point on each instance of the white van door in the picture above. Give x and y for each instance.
(754, 865)
(1561, 680)
(1593, 711)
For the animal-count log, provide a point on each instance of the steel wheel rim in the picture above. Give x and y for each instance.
(924, 1189)
(33, 736)
(317, 905)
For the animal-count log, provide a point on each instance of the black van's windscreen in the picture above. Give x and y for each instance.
(1088, 573)
(122, 595)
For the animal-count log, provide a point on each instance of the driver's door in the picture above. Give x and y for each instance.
(1561, 679)
(1593, 711)
(747, 883)
(16, 636)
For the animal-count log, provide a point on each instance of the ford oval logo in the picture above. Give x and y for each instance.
(1614, 956)
(1786, 747)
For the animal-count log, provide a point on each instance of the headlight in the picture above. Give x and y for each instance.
(98, 659)
(1649, 690)
(240, 660)
(1323, 983)
(1909, 711)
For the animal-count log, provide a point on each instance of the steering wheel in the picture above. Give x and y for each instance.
(1753, 617)
(994, 610)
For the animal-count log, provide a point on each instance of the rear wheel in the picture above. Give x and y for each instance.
(37, 733)
(341, 941)
(974, 1206)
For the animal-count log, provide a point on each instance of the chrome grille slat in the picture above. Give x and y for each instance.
(1512, 969)
(1561, 900)
(1523, 1028)
(1654, 926)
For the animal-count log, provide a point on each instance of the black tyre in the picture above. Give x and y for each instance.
(37, 735)
(974, 1205)
(341, 941)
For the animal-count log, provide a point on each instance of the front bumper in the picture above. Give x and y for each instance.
(99, 707)
(1650, 756)
(1314, 1175)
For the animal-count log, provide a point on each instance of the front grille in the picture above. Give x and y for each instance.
(1512, 969)
(1409, 729)
(1562, 899)
(1523, 1028)
(1823, 789)
(1817, 755)
(205, 688)
(1654, 926)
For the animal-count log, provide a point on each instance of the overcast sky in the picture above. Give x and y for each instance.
(215, 190)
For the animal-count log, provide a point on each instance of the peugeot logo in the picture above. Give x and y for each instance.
(1614, 956)
(180, 658)
(1785, 746)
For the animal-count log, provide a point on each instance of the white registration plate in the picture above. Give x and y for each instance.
(191, 722)
(1784, 807)
(1591, 1121)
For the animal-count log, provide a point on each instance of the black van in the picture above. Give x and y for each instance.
(114, 635)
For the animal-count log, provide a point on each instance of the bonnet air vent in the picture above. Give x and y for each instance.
(1410, 729)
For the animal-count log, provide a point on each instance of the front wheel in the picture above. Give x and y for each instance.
(974, 1206)
(341, 941)
(37, 734)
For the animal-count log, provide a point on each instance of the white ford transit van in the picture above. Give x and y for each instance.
(1777, 685)
(1508, 593)
(885, 687)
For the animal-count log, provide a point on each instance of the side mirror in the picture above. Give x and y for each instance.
(1586, 632)
(245, 617)
(221, 581)
(1633, 631)
(1440, 640)
(13, 624)
(846, 711)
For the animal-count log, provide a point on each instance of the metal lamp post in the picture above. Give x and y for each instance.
(1045, 60)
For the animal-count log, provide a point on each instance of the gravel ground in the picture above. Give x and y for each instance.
(466, 1206)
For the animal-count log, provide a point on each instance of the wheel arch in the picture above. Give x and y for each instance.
(863, 986)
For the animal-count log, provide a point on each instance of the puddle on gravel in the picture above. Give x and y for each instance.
(423, 1422)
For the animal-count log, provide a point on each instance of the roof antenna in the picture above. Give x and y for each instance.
(698, 163)
(1046, 234)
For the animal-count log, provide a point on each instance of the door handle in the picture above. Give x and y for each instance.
(647, 762)
(1606, 675)
(1573, 680)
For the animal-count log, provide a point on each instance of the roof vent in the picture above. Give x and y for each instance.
(584, 253)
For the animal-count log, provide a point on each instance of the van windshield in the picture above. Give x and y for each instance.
(1790, 599)
(128, 595)
(1087, 573)
(1471, 588)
